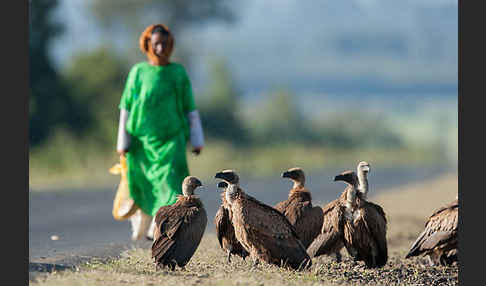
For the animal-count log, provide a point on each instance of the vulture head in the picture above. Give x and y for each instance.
(296, 175)
(222, 185)
(229, 176)
(363, 168)
(349, 177)
(189, 184)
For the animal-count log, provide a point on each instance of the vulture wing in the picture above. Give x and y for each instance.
(330, 239)
(222, 224)
(181, 227)
(440, 229)
(282, 206)
(375, 219)
(309, 224)
(271, 230)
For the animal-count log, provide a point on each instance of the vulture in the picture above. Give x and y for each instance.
(438, 241)
(298, 208)
(262, 230)
(179, 228)
(225, 230)
(330, 240)
(365, 222)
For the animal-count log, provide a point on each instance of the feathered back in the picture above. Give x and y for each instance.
(179, 229)
(268, 233)
(440, 230)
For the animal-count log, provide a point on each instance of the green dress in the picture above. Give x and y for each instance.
(158, 99)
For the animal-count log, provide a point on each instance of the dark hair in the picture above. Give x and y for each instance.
(161, 30)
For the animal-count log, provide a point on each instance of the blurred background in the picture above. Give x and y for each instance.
(279, 83)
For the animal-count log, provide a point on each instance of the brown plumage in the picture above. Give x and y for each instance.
(298, 208)
(438, 241)
(225, 230)
(365, 222)
(330, 240)
(179, 228)
(262, 230)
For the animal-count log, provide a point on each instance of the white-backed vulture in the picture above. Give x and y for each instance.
(225, 230)
(179, 228)
(438, 241)
(298, 208)
(262, 230)
(365, 222)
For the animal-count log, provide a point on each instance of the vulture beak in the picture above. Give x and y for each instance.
(222, 185)
(286, 174)
(339, 178)
(220, 175)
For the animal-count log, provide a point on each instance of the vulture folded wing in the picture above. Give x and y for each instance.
(168, 220)
(330, 237)
(375, 219)
(271, 230)
(439, 229)
(181, 229)
(282, 206)
(222, 223)
(309, 223)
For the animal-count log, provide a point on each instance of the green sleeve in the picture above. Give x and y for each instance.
(188, 103)
(130, 91)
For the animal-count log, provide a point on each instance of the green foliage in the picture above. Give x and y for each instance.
(353, 129)
(50, 103)
(278, 120)
(220, 105)
(96, 80)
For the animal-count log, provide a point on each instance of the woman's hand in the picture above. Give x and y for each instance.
(197, 150)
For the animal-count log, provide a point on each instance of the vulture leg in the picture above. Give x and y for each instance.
(229, 256)
(255, 261)
(431, 263)
(338, 257)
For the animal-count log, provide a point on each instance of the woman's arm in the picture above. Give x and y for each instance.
(123, 136)
(197, 136)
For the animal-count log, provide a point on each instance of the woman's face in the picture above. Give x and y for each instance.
(158, 42)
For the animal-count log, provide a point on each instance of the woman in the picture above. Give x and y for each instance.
(157, 117)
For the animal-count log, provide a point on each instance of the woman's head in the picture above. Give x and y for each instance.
(157, 42)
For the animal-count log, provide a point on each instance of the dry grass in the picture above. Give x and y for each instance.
(407, 209)
(68, 163)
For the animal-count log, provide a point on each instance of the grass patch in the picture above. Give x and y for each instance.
(407, 208)
(68, 163)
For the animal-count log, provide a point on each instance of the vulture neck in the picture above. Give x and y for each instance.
(363, 184)
(231, 192)
(187, 191)
(350, 196)
(298, 185)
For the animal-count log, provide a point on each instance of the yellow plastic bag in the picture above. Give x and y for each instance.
(123, 206)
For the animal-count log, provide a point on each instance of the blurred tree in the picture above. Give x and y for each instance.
(353, 128)
(279, 120)
(50, 105)
(129, 18)
(96, 80)
(219, 109)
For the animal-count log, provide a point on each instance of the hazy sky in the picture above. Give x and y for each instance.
(314, 45)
